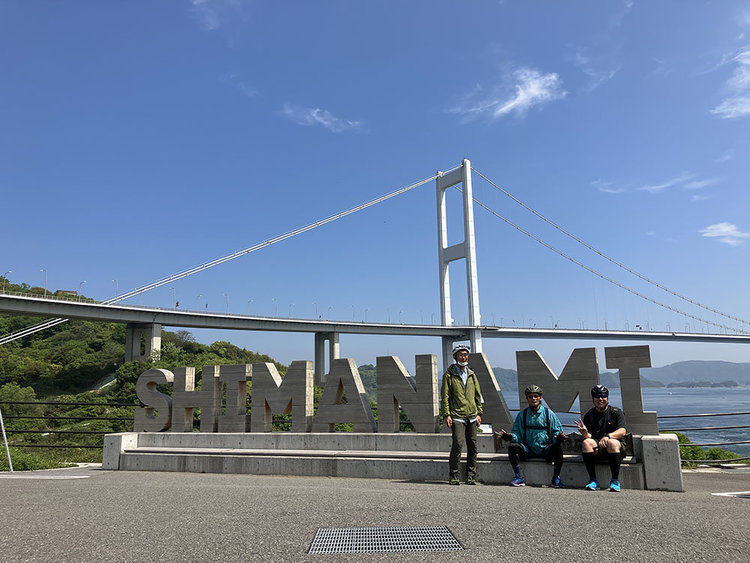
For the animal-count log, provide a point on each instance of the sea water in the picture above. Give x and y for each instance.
(696, 400)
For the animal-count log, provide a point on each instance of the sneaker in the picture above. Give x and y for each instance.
(614, 486)
(592, 486)
(454, 481)
(556, 483)
(518, 482)
(471, 482)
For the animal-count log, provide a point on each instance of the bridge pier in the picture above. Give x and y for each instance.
(334, 352)
(142, 341)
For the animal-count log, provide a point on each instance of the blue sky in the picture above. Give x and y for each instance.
(137, 142)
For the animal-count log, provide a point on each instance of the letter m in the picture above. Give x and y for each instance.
(578, 376)
(272, 394)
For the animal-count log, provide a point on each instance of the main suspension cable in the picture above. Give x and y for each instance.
(609, 258)
(194, 270)
(602, 276)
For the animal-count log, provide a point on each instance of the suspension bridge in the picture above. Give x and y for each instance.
(144, 323)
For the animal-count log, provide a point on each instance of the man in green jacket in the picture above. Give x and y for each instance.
(461, 409)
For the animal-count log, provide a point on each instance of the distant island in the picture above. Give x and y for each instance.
(691, 384)
(688, 374)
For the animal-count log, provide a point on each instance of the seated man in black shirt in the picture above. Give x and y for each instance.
(603, 431)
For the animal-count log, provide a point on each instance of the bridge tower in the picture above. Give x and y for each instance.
(465, 250)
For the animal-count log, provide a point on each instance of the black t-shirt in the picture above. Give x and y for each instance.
(600, 424)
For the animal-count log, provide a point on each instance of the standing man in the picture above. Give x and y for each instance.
(603, 431)
(537, 432)
(461, 409)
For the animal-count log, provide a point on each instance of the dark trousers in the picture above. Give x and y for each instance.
(464, 432)
(553, 453)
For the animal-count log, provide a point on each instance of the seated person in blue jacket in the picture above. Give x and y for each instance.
(537, 432)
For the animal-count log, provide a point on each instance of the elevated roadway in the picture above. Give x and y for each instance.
(130, 314)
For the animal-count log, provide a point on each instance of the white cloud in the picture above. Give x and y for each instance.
(529, 88)
(206, 14)
(726, 233)
(318, 116)
(596, 69)
(212, 14)
(698, 184)
(607, 187)
(656, 188)
(737, 102)
(697, 197)
(726, 157)
(234, 80)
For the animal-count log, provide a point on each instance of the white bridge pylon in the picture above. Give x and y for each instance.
(466, 250)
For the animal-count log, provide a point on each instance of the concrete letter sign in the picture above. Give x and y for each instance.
(395, 388)
(272, 394)
(186, 398)
(628, 360)
(146, 420)
(343, 381)
(579, 375)
(236, 378)
(495, 408)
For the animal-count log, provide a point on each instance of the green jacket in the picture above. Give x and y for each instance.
(457, 401)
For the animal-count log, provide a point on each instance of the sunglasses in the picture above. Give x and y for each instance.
(600, 396)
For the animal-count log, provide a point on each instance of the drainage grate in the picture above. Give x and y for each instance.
(384, 540)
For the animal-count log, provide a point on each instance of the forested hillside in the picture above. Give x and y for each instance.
(77, 356)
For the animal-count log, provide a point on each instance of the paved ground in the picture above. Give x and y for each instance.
(86, 514)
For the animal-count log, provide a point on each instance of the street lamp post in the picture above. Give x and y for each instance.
(275, 307)
(45, 281)
(197, 298)
(5, 277)
(315, 303)
(174, 297)
(80, 289)
(117, 287)
(226, 297)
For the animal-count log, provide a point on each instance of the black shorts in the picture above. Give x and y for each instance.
(599, 452)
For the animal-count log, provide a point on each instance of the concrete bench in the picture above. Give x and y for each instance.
(404, 456)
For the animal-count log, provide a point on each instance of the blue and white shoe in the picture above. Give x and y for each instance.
(556, 483)
(592, 486)
(614, 486)
(518, 482)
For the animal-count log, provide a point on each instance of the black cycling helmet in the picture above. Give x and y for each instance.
(599, 390)
(533, 389)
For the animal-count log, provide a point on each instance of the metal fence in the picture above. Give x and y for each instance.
(283, 423)
(67, 419)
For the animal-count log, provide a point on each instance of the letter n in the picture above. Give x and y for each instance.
(292, 394)
(578, 376)
(344, 381)
(395, 388)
